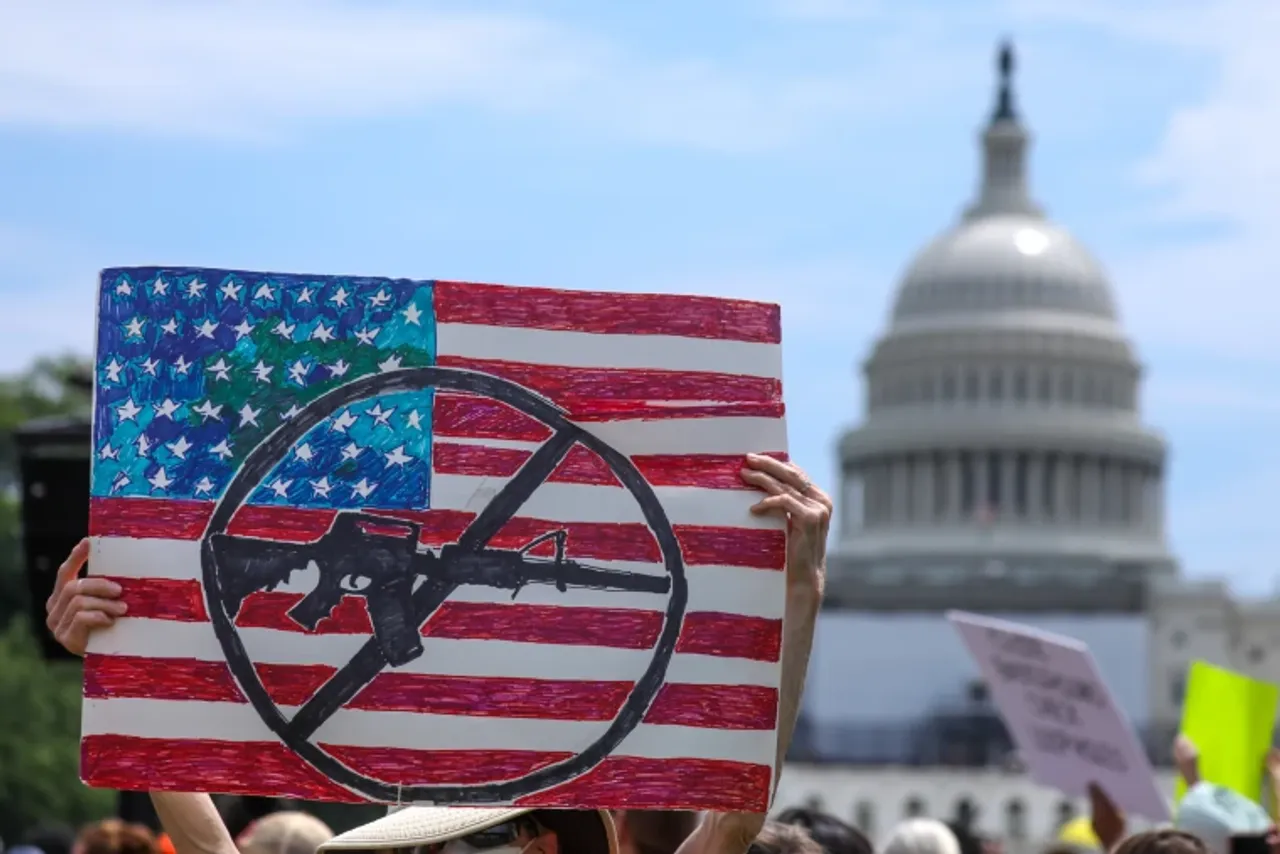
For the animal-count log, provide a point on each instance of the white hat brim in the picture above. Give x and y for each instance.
(411, 826)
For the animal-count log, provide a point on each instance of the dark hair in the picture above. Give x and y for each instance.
(113, 836)
(657, 831)
(778, 838)
(50, 838)
(834, 835)
(970, 842)
(1162, 842)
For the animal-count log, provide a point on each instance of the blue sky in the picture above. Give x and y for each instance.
(791, 150)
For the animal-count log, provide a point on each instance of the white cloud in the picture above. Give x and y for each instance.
(256, 68)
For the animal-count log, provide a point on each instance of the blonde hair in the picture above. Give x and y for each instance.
(287, 832)
(113, 836)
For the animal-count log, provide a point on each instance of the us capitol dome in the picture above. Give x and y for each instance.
(1003, 467)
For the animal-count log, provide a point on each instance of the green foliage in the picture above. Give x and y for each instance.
(40, 739)
(39, 701)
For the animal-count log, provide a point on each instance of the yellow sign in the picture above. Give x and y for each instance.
(1229, 718)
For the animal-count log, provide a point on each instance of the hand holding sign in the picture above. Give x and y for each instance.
(1060, 713)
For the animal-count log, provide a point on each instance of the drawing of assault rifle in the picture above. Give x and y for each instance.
(378, 559)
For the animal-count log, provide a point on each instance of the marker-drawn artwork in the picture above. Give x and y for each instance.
(434, 542)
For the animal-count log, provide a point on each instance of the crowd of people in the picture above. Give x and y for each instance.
(1210, 819)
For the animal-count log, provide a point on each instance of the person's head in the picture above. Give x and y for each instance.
(288, 832)
(1215, 813)
(50, 838)
(113, 836)
(832, 834)
(778, 838)
(483, 830)
(1165, 841)
(653, 831)
(922, 836)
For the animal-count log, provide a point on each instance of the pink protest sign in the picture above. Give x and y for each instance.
(1060, 713)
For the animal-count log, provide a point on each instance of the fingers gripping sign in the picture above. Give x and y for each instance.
(78, 606)
(806, 508)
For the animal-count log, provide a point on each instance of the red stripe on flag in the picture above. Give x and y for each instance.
(738, 707)
(564, 385)
(581, 466)
(253, 768)
(608, 313)
(630, 782)
(701, 545)
(474, 417)
(702, 633)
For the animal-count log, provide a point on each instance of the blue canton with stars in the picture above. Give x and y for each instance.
(195, 367)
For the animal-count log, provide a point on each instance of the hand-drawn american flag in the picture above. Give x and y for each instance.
(195, 367)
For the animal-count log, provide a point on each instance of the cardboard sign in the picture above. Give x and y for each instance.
(433, 542)
(1060, 713)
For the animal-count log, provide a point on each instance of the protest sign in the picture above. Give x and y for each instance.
(433, 542)
(1230, 718)
(1060, 713)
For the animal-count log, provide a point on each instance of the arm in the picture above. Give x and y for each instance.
(193, 823)
(808, 513)
(1273, 781)
(78, 607)
(1186, 756)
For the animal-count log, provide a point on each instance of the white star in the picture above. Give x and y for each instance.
(128, 411)
(207, 410)
(170, 326)
(160, 287)
(304, 452)
(339, 297)
(180, 447)
(322, 333)
(414, 419)
(298, 372)
(264, 292)
(281, 487)
(222, 450)
(144, 445)
(221, 370)
(205, 330)
(124, 288)
(113, 369)
(182, 365)
(291, 411)
(366, 335)
(351, 451)
(304, 295)
(285, 330)
(363, 488)
(166, 409)
(249, 415)
(380, 298)
(379, 414)
(150, 365)
(392, 363)
(242, 329)
(321, 487)
(338, 368)
(195, 288)
(412, 315)
(204, 485)
(231, 289)
(134, 327)
(344, 420)
(397, 457)
(263, 371)
(160, 480)
(122, 480)
(108, 453)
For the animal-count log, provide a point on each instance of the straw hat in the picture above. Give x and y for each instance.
(579, 831)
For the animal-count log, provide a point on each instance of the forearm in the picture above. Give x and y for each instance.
(193, 823)
(797, 645)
